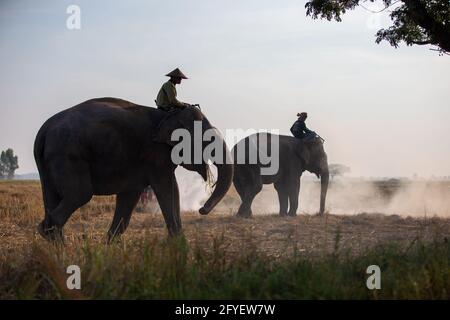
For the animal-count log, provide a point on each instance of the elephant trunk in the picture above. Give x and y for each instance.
(224, 178)
(324, 181)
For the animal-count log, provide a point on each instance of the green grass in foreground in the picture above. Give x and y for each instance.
(172, 269)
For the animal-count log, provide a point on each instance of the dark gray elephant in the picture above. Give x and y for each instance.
(111, 146)
(295, 156)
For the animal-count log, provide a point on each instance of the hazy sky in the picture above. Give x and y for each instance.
(252, 64)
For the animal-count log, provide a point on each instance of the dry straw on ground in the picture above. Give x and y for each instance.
(21, 209)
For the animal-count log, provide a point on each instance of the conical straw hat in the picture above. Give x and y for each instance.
(176, 74)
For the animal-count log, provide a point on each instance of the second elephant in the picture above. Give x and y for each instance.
(294, 157)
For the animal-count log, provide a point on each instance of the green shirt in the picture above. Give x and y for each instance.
(167, 97)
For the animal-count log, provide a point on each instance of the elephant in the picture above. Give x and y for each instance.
(294, 155)
(109, 146)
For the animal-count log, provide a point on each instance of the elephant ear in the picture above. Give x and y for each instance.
(172, 121)
(303, 153)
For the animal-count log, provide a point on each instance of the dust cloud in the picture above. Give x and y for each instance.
(405, 198)
(345, 196)
(192, 188)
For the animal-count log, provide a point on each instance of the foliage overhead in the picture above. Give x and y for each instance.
(415, 22)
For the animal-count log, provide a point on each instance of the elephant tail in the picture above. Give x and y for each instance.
(39, 156)
(39, 145)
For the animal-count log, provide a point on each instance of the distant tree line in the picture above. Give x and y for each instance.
(8, 164)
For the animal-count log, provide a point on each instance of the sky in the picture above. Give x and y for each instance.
(252, 64)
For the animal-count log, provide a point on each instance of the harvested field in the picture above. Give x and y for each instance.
(21, 209)
(269, 237)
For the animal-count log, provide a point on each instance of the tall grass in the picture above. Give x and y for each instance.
(175, 269)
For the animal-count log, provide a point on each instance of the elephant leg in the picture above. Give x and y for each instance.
(247, 196)
(245, 209)
(238, 185)
(293, 193)
(51, 200)
(282, 198)
(248, 184)
(52, 227)
(166, 190)
(125, 203)
(75, 190)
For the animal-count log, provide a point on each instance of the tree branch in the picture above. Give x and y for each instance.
(439, 33)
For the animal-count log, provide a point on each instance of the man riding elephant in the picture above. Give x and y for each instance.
(299, 129)
(167, 95)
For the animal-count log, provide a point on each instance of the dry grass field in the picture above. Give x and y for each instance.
(32, 268)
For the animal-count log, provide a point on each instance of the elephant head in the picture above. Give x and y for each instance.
(315, 160)
(188, 118)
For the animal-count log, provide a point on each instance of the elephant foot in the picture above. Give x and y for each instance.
(283, 214)
(52, 234)
(175, 233)
(246, 215)
(113, 238)
(176, 236)
(294, 214)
